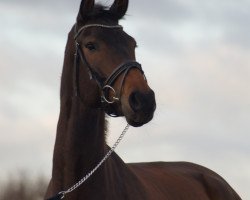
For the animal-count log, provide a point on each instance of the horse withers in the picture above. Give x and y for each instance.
(101, 75)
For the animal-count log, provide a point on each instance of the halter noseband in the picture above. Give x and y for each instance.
(104, 85)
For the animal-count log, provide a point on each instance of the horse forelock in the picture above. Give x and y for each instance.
(100, 12)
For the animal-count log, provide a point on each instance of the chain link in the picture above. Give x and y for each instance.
(79, 183)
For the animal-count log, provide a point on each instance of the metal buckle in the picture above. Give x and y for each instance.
(108, 87)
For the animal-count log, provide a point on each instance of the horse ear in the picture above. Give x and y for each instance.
(119, 8)
(86, 8)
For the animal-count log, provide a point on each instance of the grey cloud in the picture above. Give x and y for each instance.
(228, 21)
(162, 10)
(52, 5)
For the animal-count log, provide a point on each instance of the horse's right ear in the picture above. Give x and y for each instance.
(86, 7)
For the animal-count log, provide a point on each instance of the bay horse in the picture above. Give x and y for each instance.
(101, 75)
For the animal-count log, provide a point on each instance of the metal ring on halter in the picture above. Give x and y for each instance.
(108, 87)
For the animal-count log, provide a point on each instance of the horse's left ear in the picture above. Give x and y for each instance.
(119, 8)
(86, 8)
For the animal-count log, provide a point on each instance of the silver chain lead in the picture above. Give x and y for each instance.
(79, 183)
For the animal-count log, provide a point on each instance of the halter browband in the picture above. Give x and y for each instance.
(94, 25)
(105, 86)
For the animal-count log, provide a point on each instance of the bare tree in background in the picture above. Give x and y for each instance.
(23, 188)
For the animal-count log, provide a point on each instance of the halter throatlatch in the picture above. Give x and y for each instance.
(104, 85)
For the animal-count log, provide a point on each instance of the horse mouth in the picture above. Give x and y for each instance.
(136, 124)
(138, 120)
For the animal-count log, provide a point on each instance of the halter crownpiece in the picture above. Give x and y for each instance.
(104, 85)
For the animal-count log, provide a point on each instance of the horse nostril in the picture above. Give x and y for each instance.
(142, 102)
(136, 101)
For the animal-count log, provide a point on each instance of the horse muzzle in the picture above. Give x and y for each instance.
(141, 108)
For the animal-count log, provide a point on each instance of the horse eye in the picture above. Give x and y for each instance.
(90, 46)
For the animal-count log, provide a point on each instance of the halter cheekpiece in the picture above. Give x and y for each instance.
(104, 85)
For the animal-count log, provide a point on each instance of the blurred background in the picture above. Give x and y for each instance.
(196, 56)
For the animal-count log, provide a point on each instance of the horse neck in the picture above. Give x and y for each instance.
(80, 140)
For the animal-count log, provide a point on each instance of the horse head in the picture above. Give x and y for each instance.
(107, 53)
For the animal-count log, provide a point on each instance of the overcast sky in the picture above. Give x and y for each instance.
(195, 53)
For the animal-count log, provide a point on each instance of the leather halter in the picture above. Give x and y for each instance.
(105, 85)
